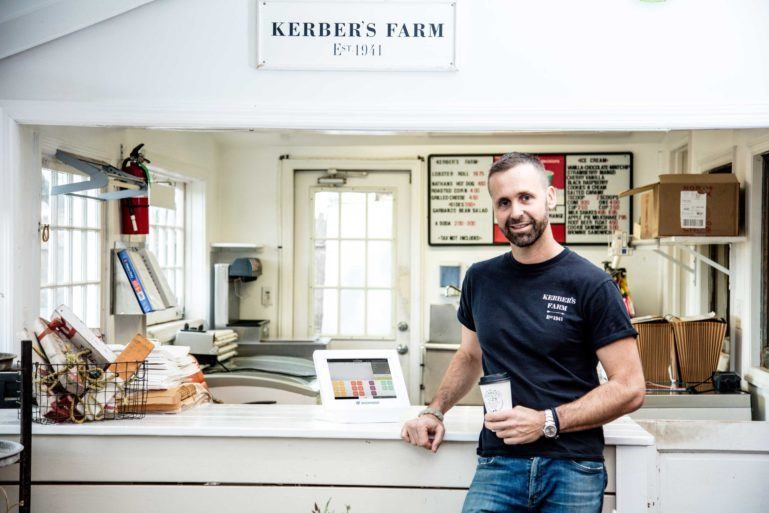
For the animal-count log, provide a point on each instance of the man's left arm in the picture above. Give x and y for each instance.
(622, 394)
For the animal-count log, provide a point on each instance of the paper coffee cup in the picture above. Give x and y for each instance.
(495, 389)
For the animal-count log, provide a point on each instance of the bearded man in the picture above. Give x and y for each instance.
(545, 316)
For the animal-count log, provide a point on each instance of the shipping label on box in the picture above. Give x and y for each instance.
(693, 209)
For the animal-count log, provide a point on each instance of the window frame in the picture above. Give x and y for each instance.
(391, 336)
(152, 318)
(47, 162)
(763, 317)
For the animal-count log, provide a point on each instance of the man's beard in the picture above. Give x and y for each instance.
(526, 239)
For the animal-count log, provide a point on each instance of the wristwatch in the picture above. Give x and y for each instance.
(432, 411)
(551, 428)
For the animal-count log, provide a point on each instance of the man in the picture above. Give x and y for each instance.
(546, 317)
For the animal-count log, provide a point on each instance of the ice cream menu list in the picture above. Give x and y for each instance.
(587, 211)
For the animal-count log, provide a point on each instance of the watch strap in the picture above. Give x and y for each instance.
(557, 423)
(432, 411)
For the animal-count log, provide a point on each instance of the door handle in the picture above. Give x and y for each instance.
(403, 326)
(402, 349)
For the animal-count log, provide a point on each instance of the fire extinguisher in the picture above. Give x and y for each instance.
(134, 212)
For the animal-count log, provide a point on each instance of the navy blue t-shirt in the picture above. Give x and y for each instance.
(542, 324)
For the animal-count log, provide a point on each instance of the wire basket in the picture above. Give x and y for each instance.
(80, 392)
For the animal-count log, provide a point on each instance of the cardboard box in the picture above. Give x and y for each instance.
(689, 205)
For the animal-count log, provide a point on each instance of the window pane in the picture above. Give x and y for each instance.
(325, 309)
(161, 216)
(327, 262)
(379, 266)
(326, 214)
(353, 214)
(61, 297)
(170, 247)
(46, 298)
(161, 238)
(44, 263)
(78, 302)
(171, 278)
(94, 307)
(352, 259)
(352, 313)
(179, 290)
(77, 255)
(93, 208)
(63, 203)
(63, 263)
(379, 307)
(179, 248)
(92, 256)
(170, 217)
(380, 215)
(52, 256)
(78, 211)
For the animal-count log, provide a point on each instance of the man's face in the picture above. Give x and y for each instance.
(521, 202)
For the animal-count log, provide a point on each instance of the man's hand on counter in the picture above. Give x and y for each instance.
(420, 430)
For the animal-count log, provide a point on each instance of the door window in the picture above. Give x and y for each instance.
(352, 279)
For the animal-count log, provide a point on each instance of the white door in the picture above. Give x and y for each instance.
(351, 261)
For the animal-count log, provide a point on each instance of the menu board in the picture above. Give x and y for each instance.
(587, 211)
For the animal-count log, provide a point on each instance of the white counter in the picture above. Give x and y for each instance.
(463, 424)
(252, 453)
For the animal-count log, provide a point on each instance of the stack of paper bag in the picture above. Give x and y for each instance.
(656, 345)
(699, 341)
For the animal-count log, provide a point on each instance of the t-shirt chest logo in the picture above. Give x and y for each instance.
(557, 306)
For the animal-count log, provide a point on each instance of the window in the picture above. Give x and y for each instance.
(70, 270)
(166, 241)
(353, 263)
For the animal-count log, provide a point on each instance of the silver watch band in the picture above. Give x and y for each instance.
(432, 411)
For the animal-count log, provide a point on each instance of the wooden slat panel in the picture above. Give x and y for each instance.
(118, 459)
(278, 499)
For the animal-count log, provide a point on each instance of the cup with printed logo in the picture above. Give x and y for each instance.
(495, 389)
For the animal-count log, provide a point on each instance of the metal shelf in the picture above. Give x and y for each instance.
(686, 244)
(687, 241)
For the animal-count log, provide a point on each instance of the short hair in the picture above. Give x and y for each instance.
(515, 158)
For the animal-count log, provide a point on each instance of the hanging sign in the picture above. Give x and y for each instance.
(587, 211)
(350, 35)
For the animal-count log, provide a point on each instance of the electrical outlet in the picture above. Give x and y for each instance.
(266, 296)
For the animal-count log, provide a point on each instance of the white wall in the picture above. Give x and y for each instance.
(250, 182)
(553, 64)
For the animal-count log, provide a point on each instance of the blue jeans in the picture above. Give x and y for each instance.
(546, 485)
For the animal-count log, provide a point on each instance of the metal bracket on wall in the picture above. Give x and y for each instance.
(687, 244)
(100, 174)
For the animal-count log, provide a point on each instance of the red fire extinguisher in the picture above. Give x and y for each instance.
(134, 212)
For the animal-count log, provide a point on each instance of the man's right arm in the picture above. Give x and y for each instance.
(463, 371)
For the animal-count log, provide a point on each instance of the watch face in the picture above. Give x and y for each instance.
(550, 431)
